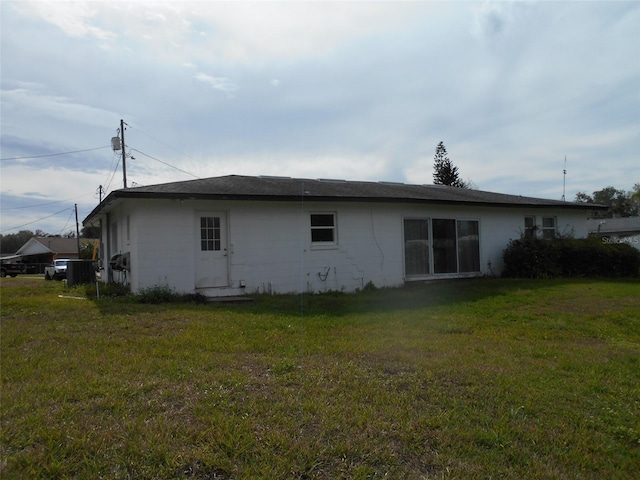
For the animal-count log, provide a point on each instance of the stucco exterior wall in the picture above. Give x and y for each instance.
(270, 249)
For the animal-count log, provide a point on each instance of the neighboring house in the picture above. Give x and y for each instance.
(238, 234)
(617, 230)
(41, 251)
(47, 249)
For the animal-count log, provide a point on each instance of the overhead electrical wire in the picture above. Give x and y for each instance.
(38, 220)
(160, 141)
(112, 175)
(45, 204)
(54, 154)
(68, 220)
(164, 163)
(138, 129)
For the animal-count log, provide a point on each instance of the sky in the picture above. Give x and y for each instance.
(353, 90)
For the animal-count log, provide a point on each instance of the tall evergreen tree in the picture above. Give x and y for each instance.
(444, 171)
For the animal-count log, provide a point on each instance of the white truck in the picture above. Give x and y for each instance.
(57, 270)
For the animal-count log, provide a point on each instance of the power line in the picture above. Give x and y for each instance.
(29, 223)
(54, 154)
(68, 220)
(45, 204)
(112, 175)
(160, 141)
(164, 163)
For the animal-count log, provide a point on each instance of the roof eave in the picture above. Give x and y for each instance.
(131, 194)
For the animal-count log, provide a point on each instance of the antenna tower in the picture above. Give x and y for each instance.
(564, 177)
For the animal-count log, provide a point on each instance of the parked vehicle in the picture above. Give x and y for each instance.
(57, 270)
(11, 268)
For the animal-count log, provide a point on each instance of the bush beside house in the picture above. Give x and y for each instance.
(532, 257)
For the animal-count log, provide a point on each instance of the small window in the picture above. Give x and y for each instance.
(529, 226)
(548, 227)
(210, 234)
(323, 228)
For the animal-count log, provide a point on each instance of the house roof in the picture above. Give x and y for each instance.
(239, 187)
(624, 225)
(58, 245)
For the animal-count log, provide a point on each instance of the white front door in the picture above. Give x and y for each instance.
(212, 262)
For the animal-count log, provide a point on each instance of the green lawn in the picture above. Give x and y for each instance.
(467, 379)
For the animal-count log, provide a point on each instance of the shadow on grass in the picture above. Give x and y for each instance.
(412, 296)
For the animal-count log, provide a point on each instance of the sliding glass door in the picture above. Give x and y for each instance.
(440, 246)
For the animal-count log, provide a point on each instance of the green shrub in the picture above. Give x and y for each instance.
(165, 294)
(110, 289)
(157, 294)
(532, 257)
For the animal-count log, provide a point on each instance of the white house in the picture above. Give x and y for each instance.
(238, 234)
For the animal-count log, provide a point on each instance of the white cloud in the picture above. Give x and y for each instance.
(232, 31)
(218, 83)
(76, 19)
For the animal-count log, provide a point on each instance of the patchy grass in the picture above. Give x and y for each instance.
(467, 379)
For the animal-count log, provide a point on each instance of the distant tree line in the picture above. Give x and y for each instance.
(620, 203)
(12, 242)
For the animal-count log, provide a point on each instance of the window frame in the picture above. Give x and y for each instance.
(454, 249)
(530, 230)
(475, 254)
(210, 234)
(549, 233)
(405, 241)
(319, 244)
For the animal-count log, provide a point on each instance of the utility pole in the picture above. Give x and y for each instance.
(124, 154)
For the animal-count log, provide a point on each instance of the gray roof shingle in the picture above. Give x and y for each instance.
(239, 187)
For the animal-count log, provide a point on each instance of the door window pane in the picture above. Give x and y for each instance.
(416, 247)
(444, 246)
(468, 246)
(210, 234)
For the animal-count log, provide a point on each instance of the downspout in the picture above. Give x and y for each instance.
(107, 257)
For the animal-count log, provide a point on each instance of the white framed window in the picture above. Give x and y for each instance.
(529, 226)
(548, 227)
(323, 228)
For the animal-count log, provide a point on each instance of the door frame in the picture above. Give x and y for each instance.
(224, 246)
